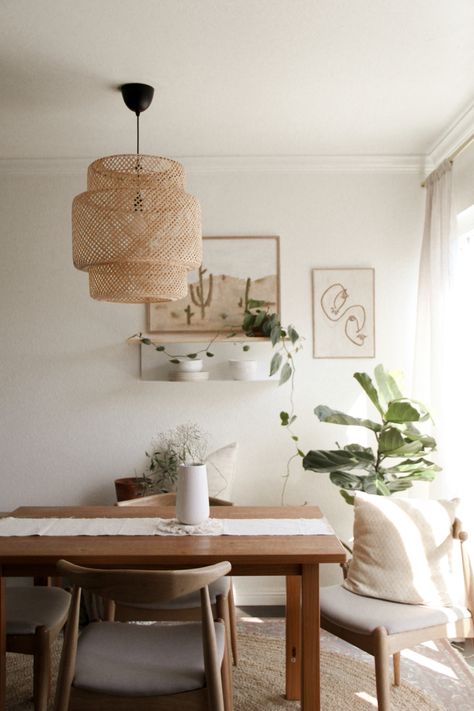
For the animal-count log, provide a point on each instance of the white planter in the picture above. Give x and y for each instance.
(188, 366)
(192, 494)
(243, 369)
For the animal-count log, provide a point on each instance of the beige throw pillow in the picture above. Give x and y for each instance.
(404, 551)
(221, 470)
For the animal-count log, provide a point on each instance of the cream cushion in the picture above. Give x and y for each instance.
(404, 551)
(364, 614)
(221, 471)
(142, 660)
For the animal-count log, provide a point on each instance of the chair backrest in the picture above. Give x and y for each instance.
(141, 586)
(166, 500)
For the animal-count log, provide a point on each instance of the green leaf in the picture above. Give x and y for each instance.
(175, 361)
(292, 419)
(413, 435)
(245, 348)
(294, 438)
(275, 363)
(259, 319)
(390, 439)
(328, 460)
(347, 497)
(366, 383)
(275, 334)
(346, 480)
(209, 354)
(300, 453)
(255, 304)
(364, 454)
(327, 414)
(191, 356)
(404, 410)
(381, 487)
(386, 384)
(292, 334)
(160, 348)
(284, 418)
(285, 374)
(247, 323)
(146, 341)
(409, 449)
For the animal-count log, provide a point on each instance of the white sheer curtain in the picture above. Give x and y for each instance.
(444, 356)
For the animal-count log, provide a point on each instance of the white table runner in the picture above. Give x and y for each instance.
(12, 526)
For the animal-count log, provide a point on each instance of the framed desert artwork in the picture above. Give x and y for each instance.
(234, 270)
(343, 313)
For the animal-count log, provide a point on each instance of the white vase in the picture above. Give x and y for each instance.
(243, 369)
(192, 494)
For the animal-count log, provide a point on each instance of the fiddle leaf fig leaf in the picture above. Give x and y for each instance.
(346, 480)
(327, 414)
(366, 383)
(320, 460)
(386, 384)
(390, 439)
(347, 497)
(404, 410)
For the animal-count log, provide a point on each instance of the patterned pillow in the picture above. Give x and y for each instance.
(404, 551)
(221, 470)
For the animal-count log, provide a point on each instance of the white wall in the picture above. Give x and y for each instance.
(74, 413)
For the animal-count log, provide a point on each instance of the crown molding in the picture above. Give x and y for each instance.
(235, 164)
(452, 138)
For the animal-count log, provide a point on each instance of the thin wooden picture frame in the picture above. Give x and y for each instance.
(343, 309)
(216, 300)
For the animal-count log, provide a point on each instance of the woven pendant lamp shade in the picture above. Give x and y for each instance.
(136, 231)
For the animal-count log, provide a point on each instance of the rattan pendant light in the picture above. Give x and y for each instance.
(136, 231)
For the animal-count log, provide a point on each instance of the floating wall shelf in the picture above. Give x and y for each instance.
(155, 365)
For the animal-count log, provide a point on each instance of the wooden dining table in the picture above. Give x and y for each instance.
(297, 557)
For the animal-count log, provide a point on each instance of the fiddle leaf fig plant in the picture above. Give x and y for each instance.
(399, 457)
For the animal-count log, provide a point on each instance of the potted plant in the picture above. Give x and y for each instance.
(184, 444)
(131, 487)
(399, 457)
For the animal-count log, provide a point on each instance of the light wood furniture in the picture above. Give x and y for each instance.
(383, 628)
(35, 617)
(192, 610)
(296, 556)
(166, 500)
(148, 660)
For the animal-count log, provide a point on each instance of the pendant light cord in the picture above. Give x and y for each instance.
(138, 133)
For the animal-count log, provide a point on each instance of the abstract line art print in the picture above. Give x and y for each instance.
(343, 313)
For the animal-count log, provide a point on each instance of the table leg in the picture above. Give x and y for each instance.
(3, 645)
(310, 673)
(293, 638)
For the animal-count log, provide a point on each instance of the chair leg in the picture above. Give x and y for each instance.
(382, 669)
(222, 612)
(233, 624)
(396, 669)
(41, 669)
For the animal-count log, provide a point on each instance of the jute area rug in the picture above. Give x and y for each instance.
(347, 684)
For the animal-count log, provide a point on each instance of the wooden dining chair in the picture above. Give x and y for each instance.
(383, 628)
(187, 608)
(111, 665)
(35, 617)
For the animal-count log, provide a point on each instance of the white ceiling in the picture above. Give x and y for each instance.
(233, 77)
